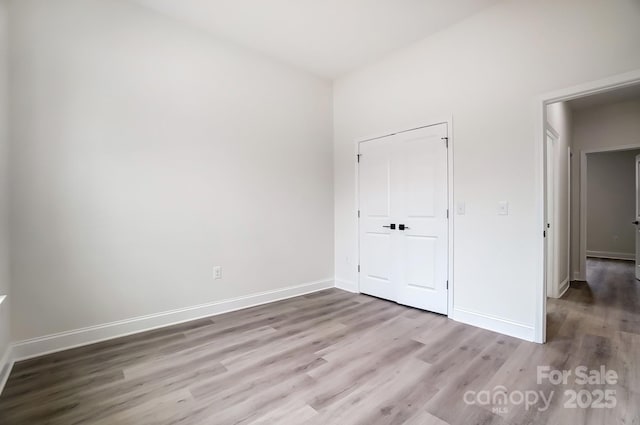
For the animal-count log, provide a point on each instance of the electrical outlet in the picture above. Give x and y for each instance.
(217, 272)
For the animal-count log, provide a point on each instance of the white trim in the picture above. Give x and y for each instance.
(603, 85)
(450, 194)
(612, 255)
(577, 276)
(631, 147)
(554, 133)
(564, 287)
(6, 364)
(357, 204)
(448, 120)
(541, 102)
(409, 127)
(35, 347)
(347, 286)
(551, 264)
(569, 218)
(583, 203)
(540, 191)
(582, 225)
(494, 323)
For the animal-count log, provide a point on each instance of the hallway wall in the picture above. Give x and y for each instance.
(598, 127)
(611, 186)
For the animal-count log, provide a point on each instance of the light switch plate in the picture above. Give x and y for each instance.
(217, 272)
(503, 208)
(460, 208)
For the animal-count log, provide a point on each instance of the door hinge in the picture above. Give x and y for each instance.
(446, 141)
(358, 268)
(447, 213)
(544, 233)
(447, 284)
(358, 157)
(358, 213)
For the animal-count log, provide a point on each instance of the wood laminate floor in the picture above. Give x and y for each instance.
(337, 358)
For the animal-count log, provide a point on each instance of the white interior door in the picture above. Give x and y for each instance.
(403, 186)
(550, 215)
(376, 265)
(637, 222)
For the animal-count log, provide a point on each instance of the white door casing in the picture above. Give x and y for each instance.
(637, 222)
(550, 231)
(613, 82)
(403, 181)
(569, 212)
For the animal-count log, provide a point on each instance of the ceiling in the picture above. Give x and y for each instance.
(612, 96)
(325, 37)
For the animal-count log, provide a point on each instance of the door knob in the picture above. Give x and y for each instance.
(635, 222)
(392, 226)
(403, 227)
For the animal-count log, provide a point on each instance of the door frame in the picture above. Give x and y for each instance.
(550, 204)
(570, 166)
(448, 120)
(637, 219)
(583, 198)
(540, 105)
(561, 285)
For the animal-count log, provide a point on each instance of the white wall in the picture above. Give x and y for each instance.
(559, 119)
(611, 200)
(5, 328)
(486, 72)
(599, 127)
(144, 153)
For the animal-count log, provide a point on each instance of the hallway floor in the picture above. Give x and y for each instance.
(597, 323)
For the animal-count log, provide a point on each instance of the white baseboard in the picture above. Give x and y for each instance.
(6, 364)
(612, 255)
(23, 350)
(579, 277)
(495, 324)
(347, 286)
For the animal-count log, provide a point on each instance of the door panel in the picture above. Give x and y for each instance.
(421, 198)
(376, 253)
(375, 188)
(403, 180)
(421, 273)
(378, 248)
(423, 246)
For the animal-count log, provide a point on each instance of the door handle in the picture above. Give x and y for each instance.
(403, 227)
(392, 226)
(635, 222)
